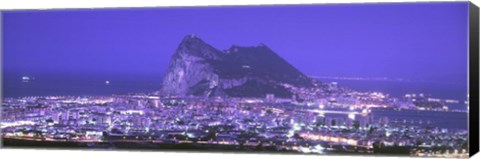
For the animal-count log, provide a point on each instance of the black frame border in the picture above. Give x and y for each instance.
(473, 93)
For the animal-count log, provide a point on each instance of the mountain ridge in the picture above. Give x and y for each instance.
(199, 69)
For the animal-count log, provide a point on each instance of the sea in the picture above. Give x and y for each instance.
(398, 89)
(78, 85)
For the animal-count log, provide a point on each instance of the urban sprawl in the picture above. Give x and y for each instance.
(313, 121)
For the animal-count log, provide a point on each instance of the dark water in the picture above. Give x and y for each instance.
(398, 89)
(78, 85)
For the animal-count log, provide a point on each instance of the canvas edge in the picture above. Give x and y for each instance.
(473, 90)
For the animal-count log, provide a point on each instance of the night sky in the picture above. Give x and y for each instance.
(417, 41)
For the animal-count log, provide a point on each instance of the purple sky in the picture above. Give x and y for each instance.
(419, 41)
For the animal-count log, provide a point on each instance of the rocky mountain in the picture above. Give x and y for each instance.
(198, 69)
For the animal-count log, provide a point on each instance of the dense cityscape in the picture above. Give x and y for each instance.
(322, 120)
